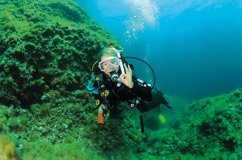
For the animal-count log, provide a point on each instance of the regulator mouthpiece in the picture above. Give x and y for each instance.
(114, 76)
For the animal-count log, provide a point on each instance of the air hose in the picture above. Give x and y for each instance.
(147, 65)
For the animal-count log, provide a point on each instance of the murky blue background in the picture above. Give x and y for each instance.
(195, 47)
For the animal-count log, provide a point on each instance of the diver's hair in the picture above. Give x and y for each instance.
(107, 51)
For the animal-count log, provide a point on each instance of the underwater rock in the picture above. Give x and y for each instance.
(44, 46)
(214, 127)
(7, 148)
(46, 52)
(210, 130)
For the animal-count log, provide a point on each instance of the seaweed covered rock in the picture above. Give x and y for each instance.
(7, 148)
(46, 47)
(72, 126)
(217, 124)
(211, 130)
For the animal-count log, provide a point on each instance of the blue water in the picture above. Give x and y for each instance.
(195, 48)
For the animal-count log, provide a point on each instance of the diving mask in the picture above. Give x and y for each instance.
(109, 63)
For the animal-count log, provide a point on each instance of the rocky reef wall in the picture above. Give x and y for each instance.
(46, 47)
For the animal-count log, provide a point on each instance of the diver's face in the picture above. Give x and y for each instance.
(109, 64)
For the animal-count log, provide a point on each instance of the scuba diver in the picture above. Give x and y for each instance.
(115, 83)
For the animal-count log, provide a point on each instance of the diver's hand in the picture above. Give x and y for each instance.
(127, 77)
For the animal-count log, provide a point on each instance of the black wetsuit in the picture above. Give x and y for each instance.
(141, 96)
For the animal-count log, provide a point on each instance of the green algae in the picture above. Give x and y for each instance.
(46, 45)
(217, 136)
(211, 130)
(46, 52)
